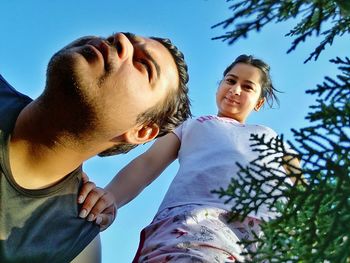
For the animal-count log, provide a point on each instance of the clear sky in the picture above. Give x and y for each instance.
(32, 31)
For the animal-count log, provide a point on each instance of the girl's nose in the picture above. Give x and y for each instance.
(236, 89)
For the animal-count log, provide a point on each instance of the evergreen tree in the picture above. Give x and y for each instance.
(314, 224)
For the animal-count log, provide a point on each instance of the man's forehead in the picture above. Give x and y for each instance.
(154, 50)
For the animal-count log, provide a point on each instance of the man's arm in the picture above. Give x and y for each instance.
(130, 181)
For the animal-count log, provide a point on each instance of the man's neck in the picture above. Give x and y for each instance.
(42, 152)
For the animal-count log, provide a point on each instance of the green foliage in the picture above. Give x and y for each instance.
(314, 224)
(314, 15)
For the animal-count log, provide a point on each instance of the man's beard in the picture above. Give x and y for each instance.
(67, 96)
(118, 149)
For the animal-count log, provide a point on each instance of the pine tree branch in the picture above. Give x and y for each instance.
(252, 15)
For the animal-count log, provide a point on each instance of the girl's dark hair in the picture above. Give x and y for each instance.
(267, 90)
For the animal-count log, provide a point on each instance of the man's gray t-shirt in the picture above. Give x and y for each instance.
(37, 225)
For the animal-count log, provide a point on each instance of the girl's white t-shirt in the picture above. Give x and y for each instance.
(210, 148)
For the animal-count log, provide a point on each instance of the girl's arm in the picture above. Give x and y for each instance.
(129, 182)
(292, 167)
(144, 169)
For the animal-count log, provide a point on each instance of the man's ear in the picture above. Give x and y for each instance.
(141, 134)
(259, 104)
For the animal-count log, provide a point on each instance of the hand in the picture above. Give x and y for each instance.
(98, 204)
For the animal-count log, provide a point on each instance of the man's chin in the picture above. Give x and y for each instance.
(61, 64)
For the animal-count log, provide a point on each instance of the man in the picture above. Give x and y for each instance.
(102, 96)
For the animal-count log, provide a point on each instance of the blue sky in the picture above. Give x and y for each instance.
(32, 31)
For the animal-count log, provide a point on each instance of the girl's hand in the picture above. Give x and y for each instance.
(97, 204)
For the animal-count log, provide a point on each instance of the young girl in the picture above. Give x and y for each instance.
(191, 223)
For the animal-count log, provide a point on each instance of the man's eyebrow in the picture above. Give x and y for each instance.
(236, 77)
(134, 39)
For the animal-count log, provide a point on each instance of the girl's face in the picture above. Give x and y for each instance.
(239, 92)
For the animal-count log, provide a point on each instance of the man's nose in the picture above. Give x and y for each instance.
(123, 45)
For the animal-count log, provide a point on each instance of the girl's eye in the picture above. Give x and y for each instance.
(231, 81)
(247, 87)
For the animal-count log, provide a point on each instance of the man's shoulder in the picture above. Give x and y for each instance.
(9, 92)
(11, 103)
